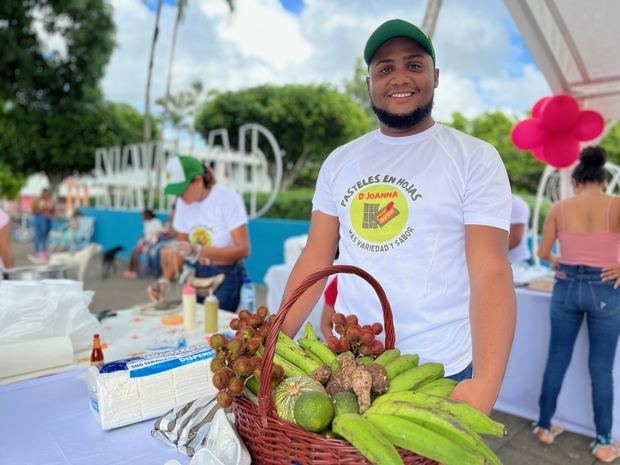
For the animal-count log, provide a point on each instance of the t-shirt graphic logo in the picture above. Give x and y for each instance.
(376, 216)
(379, 213)
(201, 235)
(386, 214)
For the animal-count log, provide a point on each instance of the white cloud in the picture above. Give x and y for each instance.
(456, 93)
(260, 42)
(520, 92)
(264, 30)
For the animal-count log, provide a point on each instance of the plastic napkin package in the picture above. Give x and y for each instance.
(202, 430)
(223, 445)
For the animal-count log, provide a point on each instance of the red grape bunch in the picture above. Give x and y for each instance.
(361, 340)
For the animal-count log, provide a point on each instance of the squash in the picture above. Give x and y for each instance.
(286, 393)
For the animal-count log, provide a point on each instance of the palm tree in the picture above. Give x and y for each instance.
(181, 6)
(430, 16)
(194, 98)
(147, 105)
(181, 110)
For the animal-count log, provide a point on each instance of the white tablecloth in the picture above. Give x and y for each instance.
(275, 279)
(523, 381)
(47, 421)
(131, 333)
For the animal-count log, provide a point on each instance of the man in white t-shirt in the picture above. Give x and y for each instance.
(425, 209)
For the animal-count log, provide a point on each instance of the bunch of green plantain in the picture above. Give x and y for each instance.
(417, 415)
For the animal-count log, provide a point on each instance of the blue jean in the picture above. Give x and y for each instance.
(229, 292)
(467, 373)
(578, 293)
(42, 226)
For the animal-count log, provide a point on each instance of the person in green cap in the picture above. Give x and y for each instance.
(212, 229)
(425, 209)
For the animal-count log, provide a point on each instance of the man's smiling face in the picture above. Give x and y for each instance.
(402, 81)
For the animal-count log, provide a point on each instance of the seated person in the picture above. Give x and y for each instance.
(164, 248)
(70, 239)
(152, 229)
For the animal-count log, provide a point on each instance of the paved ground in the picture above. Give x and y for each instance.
(518, 448)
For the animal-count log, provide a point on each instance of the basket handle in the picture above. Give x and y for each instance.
(264, 395)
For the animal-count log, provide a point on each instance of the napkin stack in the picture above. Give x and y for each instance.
(133, 390)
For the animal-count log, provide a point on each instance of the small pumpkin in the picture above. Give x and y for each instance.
(286, 393)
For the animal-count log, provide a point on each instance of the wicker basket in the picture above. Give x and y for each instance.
(274, 441)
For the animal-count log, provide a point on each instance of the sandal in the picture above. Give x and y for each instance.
(547, 436)
(606, 453)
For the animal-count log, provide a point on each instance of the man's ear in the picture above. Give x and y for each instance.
(436, 77)
(368, 83)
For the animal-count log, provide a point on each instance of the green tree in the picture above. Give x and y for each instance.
(64, 145)
(37, 78)
(611, 143)
(51, 109)
(308, 121)
(357, 89)
(524, 168)
(180, 109)
(10, 182)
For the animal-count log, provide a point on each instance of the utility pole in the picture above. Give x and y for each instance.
(430, 17)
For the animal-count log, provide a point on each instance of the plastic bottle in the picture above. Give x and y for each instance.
(248, 296)
(211, 305)
(189, 308)
(96, 356)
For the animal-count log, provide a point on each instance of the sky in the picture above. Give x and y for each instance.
(484, 64)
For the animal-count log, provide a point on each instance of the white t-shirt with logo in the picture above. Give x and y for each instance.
(520, 214)
(403, 203)
(210, 221)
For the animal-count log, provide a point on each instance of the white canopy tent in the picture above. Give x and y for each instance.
(575, 45)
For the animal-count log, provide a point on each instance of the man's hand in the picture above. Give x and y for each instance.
(475, 393)
(612, 274)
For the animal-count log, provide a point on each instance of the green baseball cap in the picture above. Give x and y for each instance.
(396, 28)
(180, 172)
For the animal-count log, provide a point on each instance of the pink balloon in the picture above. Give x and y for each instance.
(539, 153)
(538, 106)
(560, 113)
(529, 134)
(561, 149)
(590, 125)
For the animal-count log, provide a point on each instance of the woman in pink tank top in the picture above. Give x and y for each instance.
(588, 229)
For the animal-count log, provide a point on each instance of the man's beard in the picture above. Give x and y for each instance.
(406, 121)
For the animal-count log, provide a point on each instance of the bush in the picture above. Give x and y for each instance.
(292, 204)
